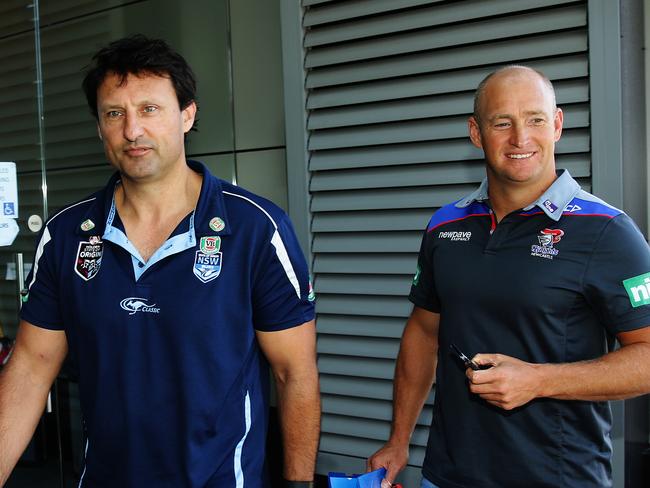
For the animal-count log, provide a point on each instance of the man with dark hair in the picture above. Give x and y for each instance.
(170, 290)
(539, 277)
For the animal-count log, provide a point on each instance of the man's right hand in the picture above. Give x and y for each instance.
(393, 457)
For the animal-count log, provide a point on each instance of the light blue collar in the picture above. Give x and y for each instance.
(173, 245)
(552, 202)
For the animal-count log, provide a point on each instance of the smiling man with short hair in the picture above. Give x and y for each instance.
(538, 277)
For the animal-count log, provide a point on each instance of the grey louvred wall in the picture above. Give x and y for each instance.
(389, 88)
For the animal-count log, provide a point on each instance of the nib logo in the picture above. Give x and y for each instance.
(638, 289)
(134, 305)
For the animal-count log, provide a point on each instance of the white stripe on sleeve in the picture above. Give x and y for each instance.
(45, 238)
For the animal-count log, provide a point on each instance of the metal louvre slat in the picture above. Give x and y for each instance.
(394, 285)
(353, 9)
(72, 133)
(365, 408)
(572, 91)
(370, 242)
(365, 305)
(353, 446)
(425, 174)
(385, 198)
(359, 347)
(350, 366)
(453, 127)
(576, 140)
(499, 52)
(367, 428)
(360, 326)
(426, 16)
(356, 386)
(446, 37)
(370, 220)
(566, 67)
(382, 264)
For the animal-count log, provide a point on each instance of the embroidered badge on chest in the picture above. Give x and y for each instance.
(89, 258)
(207, 261)
(547, 239)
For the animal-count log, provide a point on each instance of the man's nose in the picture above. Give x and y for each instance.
(519, 135)
(132, 127)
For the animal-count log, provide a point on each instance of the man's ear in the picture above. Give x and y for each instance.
(99, 132)
(189, 114)
(558, 120)
(474, 132)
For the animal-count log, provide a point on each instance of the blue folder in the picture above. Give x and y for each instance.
(365, 480)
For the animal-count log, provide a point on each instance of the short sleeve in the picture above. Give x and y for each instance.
(615, 279)
(41, 305)
(423, 289)
(282, 293)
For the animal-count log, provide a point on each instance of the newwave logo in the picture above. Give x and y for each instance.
(455, 236)
(134, 305)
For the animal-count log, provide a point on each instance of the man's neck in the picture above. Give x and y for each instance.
(150, 211)
(176, 193)
(505, 198)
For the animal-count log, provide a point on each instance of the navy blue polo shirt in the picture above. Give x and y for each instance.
(172, 381)
(550, 283)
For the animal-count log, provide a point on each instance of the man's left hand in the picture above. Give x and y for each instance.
(509, 382)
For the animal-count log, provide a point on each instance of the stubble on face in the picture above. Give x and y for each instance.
(141, 126)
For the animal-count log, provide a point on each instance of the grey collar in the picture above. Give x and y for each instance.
(552, 202)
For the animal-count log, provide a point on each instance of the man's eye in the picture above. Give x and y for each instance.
(502, 125)
(538, 121)
(113, 114)
(149, 109)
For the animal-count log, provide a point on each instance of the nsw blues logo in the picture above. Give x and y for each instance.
(207, 266)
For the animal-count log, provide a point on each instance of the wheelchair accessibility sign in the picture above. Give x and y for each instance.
(8, 204)
(8, 191)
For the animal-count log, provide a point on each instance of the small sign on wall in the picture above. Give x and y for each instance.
(8, 191)
(8, 203)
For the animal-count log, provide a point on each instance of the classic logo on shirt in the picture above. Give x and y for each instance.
(89, 258)
(134, 305)
(455, 236)
(638, 289)
(547, 239)
(207, 266)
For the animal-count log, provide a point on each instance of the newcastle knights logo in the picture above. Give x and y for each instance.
(547, 239)
(207, 266)
(89, 258)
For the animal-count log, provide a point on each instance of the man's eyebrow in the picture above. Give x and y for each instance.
(509, 116)
(535, 112)
(500, 116)
(115, 105)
